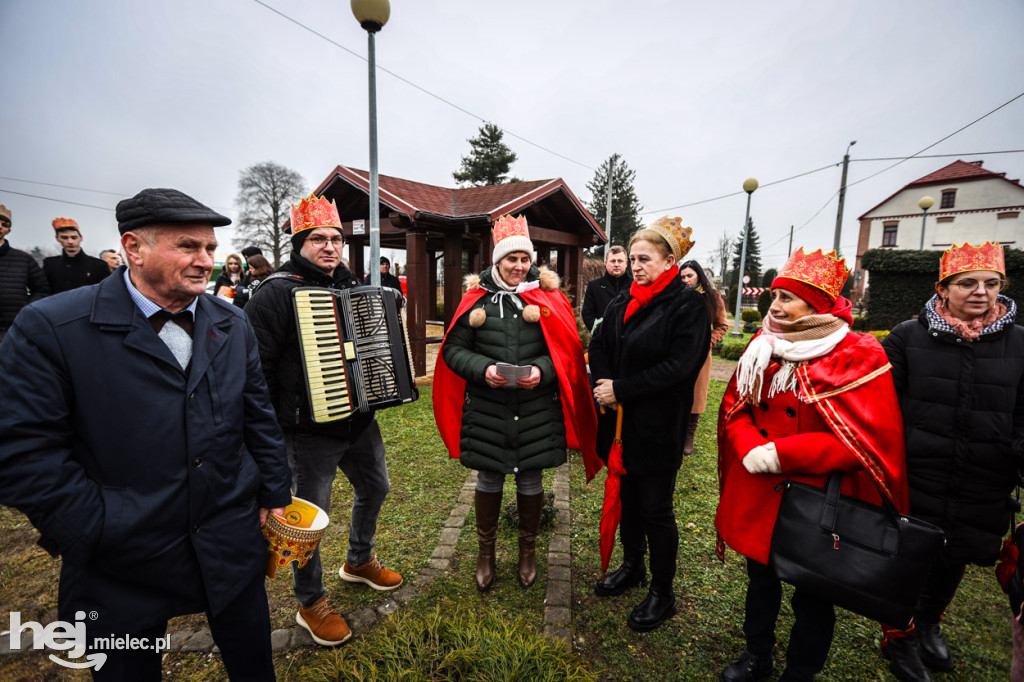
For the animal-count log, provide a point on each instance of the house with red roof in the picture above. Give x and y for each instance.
(452, 227)
(971, 204)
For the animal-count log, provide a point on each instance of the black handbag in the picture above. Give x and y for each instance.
(861, 557)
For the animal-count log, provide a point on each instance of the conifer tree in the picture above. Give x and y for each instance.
(625, 206)
(489, 159)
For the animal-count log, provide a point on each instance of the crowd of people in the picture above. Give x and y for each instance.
(150, 473)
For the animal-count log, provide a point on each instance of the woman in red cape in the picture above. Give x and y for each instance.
(809, 397)
(501, 423)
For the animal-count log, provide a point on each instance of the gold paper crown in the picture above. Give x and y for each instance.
(825, 271)
(965, 258)
(677, 236)
(314, 212)
(507, 226)
(64, 223)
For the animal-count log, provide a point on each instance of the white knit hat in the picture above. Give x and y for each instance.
(510, 235)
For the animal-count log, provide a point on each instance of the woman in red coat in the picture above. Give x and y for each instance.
(808, 398)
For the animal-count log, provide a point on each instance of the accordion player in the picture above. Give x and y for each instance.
(354, 349)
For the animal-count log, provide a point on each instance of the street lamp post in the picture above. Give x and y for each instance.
(749, 185)
(924, 204)
(372, 15)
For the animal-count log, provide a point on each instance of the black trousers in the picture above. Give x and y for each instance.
(648, 519)
(241, 630)
(811, 637)
(939, 589)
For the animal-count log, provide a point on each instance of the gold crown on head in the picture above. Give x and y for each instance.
(677, 236)
(507, 226)
(313, 212)
(64, 223)
(825, 271)
(957, 259)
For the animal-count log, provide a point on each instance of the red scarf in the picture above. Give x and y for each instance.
(642, 295)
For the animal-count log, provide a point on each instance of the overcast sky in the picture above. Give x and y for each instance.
(117, 95)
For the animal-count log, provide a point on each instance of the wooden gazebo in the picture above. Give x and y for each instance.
(428, 221)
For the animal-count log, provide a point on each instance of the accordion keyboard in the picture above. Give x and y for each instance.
(325, 354)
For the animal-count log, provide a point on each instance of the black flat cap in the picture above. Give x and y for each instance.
(164, 206)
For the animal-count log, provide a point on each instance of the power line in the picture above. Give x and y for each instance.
(50, 184)
(419, 87)
(942, 156)
(59, 201)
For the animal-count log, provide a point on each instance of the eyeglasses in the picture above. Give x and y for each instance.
(968, 285)
(319, 241)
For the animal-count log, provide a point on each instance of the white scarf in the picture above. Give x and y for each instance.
(508, 291)
(755, 359)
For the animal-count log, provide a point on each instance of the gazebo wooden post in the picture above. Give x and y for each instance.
(431, 284)
(416, 314)
(574, 273)
(561, 265)
(452, 275)
(355, 257)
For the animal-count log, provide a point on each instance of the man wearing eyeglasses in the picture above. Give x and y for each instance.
(317, 451)
(22, 281)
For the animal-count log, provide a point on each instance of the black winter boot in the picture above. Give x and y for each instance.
(905, 660)
(659, 606)
(749, 667)
(630, 574)
(932, 647)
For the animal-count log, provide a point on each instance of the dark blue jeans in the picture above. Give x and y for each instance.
(315, 460)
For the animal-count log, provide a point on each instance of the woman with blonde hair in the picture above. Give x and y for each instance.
(645, 357)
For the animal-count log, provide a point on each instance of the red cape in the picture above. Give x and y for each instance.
(558, 324)
(852, 389)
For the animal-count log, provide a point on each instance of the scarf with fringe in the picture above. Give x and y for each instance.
(791, 343)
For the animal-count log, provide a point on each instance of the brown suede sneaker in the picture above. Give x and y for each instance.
(324, 625)
(372, 573)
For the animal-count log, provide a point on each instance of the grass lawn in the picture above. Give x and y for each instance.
(452, 632)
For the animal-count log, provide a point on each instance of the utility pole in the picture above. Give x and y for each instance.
(789, 251)
(842, 199)
(608, 206)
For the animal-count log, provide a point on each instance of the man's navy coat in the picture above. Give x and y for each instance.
(146, 481)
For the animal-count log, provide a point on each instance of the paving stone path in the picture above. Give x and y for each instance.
(557, 613)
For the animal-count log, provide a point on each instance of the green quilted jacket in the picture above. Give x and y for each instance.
(506, 429)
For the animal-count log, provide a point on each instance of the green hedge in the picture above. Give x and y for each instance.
(750, 316)
(902, 281)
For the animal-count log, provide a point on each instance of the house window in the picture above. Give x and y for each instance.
(889, 234)
(948, 198)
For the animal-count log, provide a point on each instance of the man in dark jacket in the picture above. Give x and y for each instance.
(317, 451)
(138, 437)
(601, 290)
(73, 268)
(21, 279)
(386, 278)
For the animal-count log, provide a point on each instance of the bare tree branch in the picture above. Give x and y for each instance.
(265, 192)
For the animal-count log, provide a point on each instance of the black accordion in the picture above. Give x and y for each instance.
(355, 350)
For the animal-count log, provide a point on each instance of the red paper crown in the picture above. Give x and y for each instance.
(965, 258)
(507, 226)
(314, 212)
(677, 236)
(64, 223)
(825, 271)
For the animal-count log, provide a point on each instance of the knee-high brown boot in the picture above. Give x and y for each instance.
(691, 431)
(530, 509)
(488, 507)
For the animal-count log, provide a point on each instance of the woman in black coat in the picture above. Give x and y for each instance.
(645, 356)
(958, 370)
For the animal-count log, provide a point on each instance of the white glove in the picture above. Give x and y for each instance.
(763, 459)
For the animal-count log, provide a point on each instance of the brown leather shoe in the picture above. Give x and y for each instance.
(324, 625)
(372, 573)
(488, 508)
(530, 509)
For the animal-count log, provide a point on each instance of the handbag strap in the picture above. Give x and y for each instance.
(830, 508)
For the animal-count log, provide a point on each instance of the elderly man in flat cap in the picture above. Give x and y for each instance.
(138, 437)
(21, 279)
(73, 268)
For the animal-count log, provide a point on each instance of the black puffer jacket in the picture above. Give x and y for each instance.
(654, 360)
(22, 281)
(506, 429)
(272, 313)
(963, 416)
